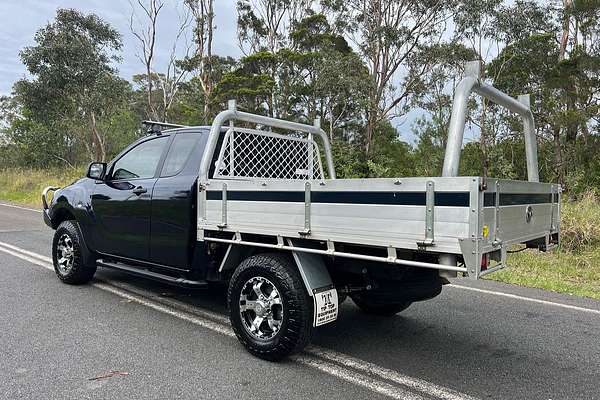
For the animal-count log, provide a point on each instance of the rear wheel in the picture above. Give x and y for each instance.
(378, 306)
(71, 263)
(270, 309)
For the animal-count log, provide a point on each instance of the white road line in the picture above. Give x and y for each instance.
(213, 326)
(20, 207)
(530, 299)
(356, 378)
(323, 360)
(32, 260)
(219, 318)
(27, 252)
(420, 385)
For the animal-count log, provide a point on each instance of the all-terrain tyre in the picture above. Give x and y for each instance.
(269, 307)
(378, 306)
(72, 262)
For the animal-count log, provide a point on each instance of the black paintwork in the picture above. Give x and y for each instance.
(145, 221)
(514, 199)
(450, 199)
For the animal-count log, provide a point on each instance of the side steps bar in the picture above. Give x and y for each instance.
(155, 276)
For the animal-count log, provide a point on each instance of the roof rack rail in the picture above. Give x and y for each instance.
(155, 126)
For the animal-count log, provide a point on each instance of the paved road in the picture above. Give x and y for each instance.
(498, 341)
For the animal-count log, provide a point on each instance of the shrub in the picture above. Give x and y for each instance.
(580, 223)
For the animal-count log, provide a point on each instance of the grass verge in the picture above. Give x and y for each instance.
(559, 271)
(574, 269)
(24, 186)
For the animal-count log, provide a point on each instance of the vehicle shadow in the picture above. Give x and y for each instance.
(436, 340)
(413, 333)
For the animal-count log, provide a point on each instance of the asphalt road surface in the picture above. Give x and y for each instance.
(141, 339)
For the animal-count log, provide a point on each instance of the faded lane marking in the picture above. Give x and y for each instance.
(524, 298)
(359, 372)
(420, 385)
(20, 207)
(27, 252)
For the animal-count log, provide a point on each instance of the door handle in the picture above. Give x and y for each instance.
(139, 190)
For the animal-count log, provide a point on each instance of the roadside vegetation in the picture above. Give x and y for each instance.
(573, 269)
(24, 186)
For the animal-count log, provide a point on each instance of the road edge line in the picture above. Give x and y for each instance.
(27, 252)
(525, 298)
(20, 207)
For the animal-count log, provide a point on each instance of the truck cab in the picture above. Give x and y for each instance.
(140, 207)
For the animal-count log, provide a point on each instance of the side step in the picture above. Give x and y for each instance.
(155, 276)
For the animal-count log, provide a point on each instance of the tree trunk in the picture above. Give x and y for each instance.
(558, 160)
(209, 60)
(564, 40)
(371, 124)
(97, 140)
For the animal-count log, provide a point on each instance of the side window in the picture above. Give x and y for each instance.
(141, 161)
(179, 153)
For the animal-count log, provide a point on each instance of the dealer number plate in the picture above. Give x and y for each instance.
(326, 307)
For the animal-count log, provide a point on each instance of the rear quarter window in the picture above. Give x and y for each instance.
(180, 151)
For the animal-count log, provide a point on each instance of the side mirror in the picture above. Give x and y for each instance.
(96, 170)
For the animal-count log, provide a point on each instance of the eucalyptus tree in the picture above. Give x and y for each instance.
(202, 59)
(388, 33)
(145, 27)
(73, 84)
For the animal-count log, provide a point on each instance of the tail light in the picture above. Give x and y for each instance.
(485, 261)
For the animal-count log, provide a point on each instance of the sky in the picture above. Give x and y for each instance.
(20, 19)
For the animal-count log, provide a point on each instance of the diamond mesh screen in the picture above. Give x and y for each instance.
(248, 153)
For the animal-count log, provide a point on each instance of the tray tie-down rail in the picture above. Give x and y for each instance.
(391, 258)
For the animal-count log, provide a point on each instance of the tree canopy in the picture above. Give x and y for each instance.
(379, 74)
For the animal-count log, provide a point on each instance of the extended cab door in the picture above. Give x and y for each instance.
(122, 202)
(173, 226)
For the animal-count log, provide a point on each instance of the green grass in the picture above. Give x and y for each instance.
(573, 269)
(558, 271)
(24, 186)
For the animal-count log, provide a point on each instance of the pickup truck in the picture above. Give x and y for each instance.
(247, 202)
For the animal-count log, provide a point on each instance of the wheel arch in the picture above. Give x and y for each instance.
(66, 215)
(312, 267)
(62, 214)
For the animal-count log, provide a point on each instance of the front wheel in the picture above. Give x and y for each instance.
(270, 309)
(71, 263)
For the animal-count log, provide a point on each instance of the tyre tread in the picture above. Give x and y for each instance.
(83, 269)
(298, 305)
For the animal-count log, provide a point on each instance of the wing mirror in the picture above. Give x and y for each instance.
(96, 170)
